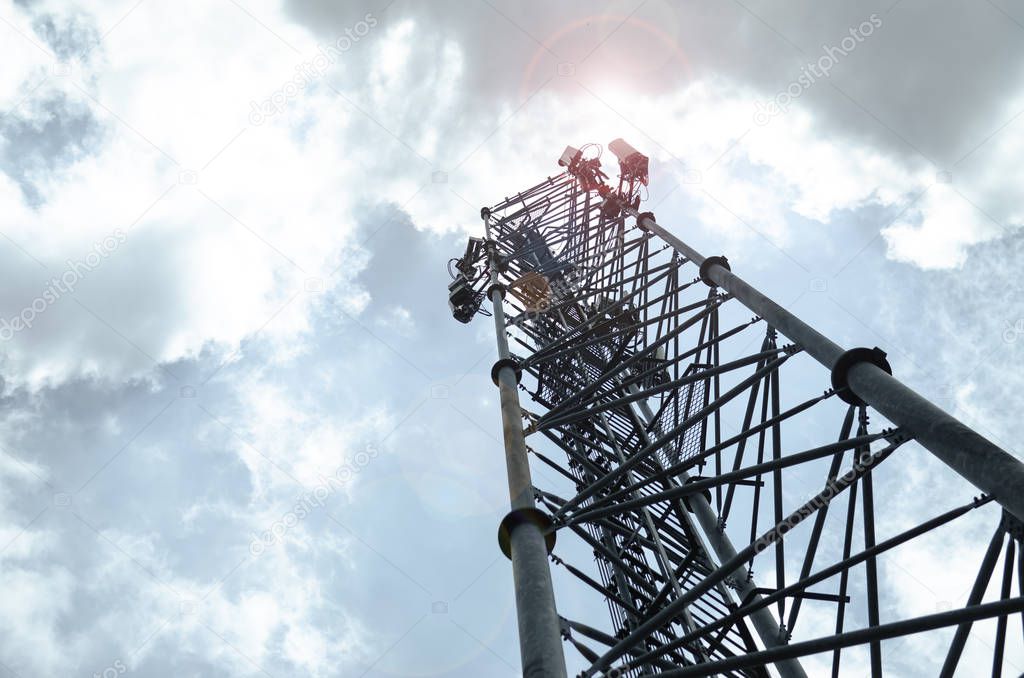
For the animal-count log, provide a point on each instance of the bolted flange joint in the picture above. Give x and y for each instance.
(506, 362)
(841, 371)
(705, 269)
(644, 215)
(519, 517)
(706, 492)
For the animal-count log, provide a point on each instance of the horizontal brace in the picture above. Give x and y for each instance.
(582, 408)
(843, 565)
(629, 362)
(805, 595)
(693, 461)
(748, 483)
(668, 436)
(724, 570)
(990, 468)
(851, 638)
(699, 486)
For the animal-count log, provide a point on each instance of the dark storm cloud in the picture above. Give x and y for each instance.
(41, 138)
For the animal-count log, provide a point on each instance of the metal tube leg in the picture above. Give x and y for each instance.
(540, 640)
(540, 635)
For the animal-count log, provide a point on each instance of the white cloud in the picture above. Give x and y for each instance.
(937, 232)
(279, 196)
(227, 262)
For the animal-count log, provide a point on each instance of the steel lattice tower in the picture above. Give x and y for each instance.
(675, 453)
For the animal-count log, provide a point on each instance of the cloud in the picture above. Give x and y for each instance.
(44, 140)
(79, 186)
(937, 232)
(402, 103)
(166, 488)
(278, 303)
(881, 124)
(69, 35)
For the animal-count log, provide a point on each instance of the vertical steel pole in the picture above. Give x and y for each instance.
(540, 636)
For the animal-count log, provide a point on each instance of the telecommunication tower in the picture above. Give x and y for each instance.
(683, 457)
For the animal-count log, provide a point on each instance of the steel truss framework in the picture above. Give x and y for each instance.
(685, 466)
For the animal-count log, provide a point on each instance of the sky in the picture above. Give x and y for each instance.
(241, 434)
